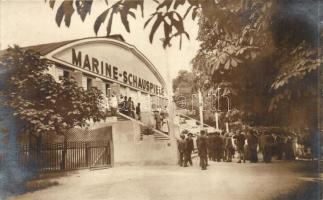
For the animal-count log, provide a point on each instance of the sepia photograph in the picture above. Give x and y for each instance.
(161, 99)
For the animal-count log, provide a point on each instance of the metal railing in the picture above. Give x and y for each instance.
(185, 116)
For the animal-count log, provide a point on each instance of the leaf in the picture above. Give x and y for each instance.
(132, 14)
(147, 22)
(227, 65)
(216, 66)
(65, 11)
(124, 19)
(51, 3)
(238, 60)
(110, 23)
(233, 62)
(194, 13)
(178, 2)
(193, 2)
(83, 7)
(223, 58)
(133, 4)
(167, 33)
(165, 3)
(155, 26)
(99, 20)
(187, 35)
(187, 11)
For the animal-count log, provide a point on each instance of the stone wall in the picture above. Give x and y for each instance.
(129, 149)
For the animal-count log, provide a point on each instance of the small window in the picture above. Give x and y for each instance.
(66, 74)
(88, 83)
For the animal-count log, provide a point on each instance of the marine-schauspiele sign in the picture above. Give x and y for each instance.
(104, 68)
(113, 61)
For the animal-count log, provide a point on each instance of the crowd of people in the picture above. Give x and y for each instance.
(242, 145)
(126, 106)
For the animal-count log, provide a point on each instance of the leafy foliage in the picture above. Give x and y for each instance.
(65, 11)
(42, 103)
(184, 80)
(170, 20)
(124, 9)
(270, 61)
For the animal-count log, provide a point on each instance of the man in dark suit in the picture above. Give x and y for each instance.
(210, 146)
(181, 149)
(228, 147)
(240, 142)
(189, 147)
(252, 141)
(268, 146)
(202, 149)
(218, 147)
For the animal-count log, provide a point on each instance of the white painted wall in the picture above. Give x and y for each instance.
(128, 149)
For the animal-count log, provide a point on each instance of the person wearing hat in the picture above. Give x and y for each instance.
(240, 141)
(267, 146)
(279, 146)
(228, 147)
(289, 153)
(252, 141)
(189, 147)
(138, 112)
(181, 149)
(218, 147)
(202, 149)
(210, 146)
(158, 120)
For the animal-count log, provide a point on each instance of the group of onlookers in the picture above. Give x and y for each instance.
(127, 107)
(245, 144)
(185, 149)
(124, 104)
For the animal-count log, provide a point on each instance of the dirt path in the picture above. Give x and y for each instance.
(221, 181)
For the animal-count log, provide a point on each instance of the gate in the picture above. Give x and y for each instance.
(78, 155)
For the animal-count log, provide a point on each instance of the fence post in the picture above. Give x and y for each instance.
(86, 154)
(64, 151)
(38, 152)
(107, 153)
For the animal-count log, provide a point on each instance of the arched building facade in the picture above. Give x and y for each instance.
(109, 64)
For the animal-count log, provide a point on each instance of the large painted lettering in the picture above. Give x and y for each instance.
(105, 69)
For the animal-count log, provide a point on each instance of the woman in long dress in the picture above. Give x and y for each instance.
(164, 127)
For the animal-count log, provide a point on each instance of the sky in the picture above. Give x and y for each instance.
(32, 22)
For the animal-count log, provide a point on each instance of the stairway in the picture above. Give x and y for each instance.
(122, 117)
(193, 125)
(158, 135)
(161, 136)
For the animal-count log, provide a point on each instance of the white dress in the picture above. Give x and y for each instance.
(164, 127)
